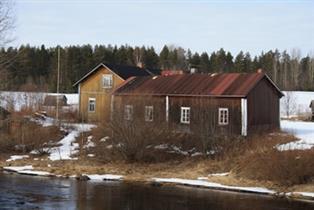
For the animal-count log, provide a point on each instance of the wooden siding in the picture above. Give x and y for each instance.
(204, 112)
(263, 107)
(92, 88)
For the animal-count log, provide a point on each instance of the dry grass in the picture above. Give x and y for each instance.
(252, 162)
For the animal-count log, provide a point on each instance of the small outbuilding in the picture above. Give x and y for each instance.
(52, 100)
(227, 103)
(312, 109)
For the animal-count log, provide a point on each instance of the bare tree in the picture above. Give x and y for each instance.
(289, 103)
(6, 22)
(6, 26)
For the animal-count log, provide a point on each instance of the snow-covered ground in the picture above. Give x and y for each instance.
(300, 102)
(68, 147)
(18, 100)
(302, 130)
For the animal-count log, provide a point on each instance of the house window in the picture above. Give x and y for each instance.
(128, 112)
(107, 80)
(223, 116)
(185, 115)
(149, 113)
(91, 104)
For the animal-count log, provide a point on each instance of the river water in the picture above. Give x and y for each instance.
(27, 192)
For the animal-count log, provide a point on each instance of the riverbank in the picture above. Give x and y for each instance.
(189, 173)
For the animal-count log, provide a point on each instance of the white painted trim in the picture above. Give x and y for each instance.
(107, 76)
(244, 116)
(111, 107)
(79, 93)
(167, 108)
(184, 111)
(221, 112)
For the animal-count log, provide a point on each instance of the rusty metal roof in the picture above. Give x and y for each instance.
(216, 85)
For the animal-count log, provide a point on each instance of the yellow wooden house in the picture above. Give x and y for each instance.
(96, 87)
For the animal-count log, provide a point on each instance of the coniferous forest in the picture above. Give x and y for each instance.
(29, 68)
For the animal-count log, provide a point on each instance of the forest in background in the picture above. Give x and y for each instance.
(30, 68)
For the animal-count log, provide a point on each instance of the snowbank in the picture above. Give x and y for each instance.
(302, 130)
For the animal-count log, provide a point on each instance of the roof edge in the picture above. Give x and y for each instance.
(271, 82)
(89, 73)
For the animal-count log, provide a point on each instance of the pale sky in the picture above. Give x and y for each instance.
(201, 25)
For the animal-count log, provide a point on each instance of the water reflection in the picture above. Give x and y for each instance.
(24, 192)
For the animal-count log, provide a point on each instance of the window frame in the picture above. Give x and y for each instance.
(89, 104)
(104, 78)
(128, 112)
(147, 111)
(185, 115)
(223, 116)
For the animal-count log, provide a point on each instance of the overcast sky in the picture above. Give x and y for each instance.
(200, 25)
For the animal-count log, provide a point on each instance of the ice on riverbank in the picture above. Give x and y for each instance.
(26, 170)
(213, 185)
(103, 177)
(18, 168)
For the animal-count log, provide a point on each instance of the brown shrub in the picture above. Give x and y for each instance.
(282, 167)
(25, 136)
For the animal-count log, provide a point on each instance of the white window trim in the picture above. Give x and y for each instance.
(106, 76)
(220, 116)
(89, 100)
(147, 108)
(184, 119)
(128, 112)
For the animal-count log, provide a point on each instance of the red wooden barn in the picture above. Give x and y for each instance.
(228, 103)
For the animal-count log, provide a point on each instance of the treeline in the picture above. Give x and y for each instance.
(30, 68)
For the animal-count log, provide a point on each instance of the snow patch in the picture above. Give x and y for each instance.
(17, 157)
(104, 139)
(89, 143)
(219, 174)
(68, 147)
